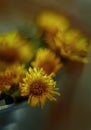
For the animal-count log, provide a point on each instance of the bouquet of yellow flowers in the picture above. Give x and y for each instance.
(31, 57)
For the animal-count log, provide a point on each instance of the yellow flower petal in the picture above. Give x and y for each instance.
(34, 101)
(42, 100)
(50, 97)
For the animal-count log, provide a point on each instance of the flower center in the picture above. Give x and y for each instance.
(37, 88)
(48, 66)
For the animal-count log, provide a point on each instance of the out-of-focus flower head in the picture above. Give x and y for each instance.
(14, 48)
(71, 44)
(12, 77)
(38, 86)
(52, 22)
(47, 60)
(74, 46)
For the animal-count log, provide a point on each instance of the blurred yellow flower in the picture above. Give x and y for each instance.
(38, 86)
(74, 46)
(15, 75)
(70, 44)
(51, 21)
(14, 48)
(47, 60)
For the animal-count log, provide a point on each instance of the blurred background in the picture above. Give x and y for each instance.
(73, 109)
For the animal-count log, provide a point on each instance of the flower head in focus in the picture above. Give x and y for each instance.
(14, 48)
(38, 86)
(47, 60)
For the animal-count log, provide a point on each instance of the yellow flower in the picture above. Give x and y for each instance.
(14, 48)
(74, 46)
(15, 75)
(51, 24)
(47, 60)
(51, 21)
(38, 86)
(70, 44)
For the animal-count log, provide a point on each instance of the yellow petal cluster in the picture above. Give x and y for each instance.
(39, 87)
(14, 48)
(52, 21)
(70, 43)
(73, 45)
(11, 78)
(47, 60)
